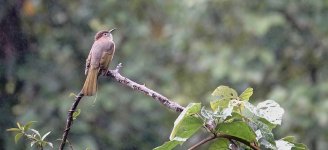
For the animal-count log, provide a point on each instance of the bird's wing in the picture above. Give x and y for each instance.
(107, 56)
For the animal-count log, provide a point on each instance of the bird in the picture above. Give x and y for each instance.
(99, 58)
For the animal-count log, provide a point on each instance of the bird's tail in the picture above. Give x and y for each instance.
(90, 84)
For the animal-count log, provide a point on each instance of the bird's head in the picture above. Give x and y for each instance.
(105, 34)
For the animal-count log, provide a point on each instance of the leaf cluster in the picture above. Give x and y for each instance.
(233, 121)
(31, 134)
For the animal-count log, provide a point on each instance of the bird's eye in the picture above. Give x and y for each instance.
(105, 34)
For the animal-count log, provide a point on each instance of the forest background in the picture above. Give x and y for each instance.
(183, 49)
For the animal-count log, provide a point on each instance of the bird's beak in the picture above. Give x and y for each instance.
(110, 31)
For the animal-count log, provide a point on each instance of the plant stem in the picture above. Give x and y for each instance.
(202, 142)
(230, 137)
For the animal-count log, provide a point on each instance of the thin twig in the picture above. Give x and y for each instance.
(142, 88)
(202, 142)
(70, 120)
(230, 137)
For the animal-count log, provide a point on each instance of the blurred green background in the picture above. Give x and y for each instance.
(183, 49)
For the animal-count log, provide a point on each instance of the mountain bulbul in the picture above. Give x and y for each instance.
(100, 56)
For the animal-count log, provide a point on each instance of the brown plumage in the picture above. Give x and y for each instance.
(100, 56)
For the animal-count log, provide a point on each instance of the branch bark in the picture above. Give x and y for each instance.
(142, 88)
(202, 142)
(230, 137)
(70, 119)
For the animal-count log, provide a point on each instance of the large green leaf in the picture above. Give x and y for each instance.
(289, 144)
(262, 113)
(187, 123)
(220, 144)
(224, 94)
(238, 129)
(246, 94)
(184, 126)
(263, 118)
(168, 145)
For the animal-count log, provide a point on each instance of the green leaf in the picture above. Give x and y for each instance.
(18, 136)
(246, 94)
(271, 111)
(266, 122)
(33, 142)
(14, 130)
(36, 132)
(226, 112)
(76, 113)
(289, 144)
(289, 138)
(264, 134)
(238, 129)
(28, 125)
(19, 126)
(234, 117)
(168, 145)
(262, 112)
(72, 95)
(281, 144)
(300, 146)
(45, 135)
(187, 123)
(224, 94)
(217, 104)
(261, 126)
(50, 144)
(220, 144)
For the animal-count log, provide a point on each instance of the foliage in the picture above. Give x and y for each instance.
(243, 122)
(31, 134)
(182, 48)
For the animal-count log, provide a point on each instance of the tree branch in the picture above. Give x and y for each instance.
(202, 142)
(70, 119)
(230, 137)
(142, 88)
(127, 82)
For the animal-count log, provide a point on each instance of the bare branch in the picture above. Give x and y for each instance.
(142, 88)
(70, 119)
